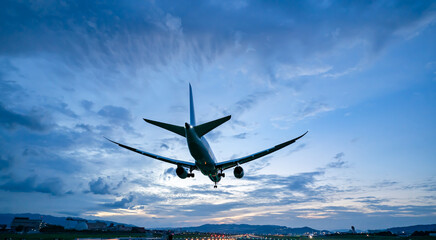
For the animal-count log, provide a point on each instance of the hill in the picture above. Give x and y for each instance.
(61, 221)
(245, 228)
(411, 229)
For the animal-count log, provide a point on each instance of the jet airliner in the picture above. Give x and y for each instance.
(200, 150)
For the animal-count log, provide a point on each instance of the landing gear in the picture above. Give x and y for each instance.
(190, 174)
(215, 185)
(221, 174)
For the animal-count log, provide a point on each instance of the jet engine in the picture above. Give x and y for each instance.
(238, 172)
(182, 172)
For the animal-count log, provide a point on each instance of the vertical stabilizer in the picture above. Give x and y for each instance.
(191, 107)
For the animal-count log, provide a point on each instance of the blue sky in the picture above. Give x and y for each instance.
(359, 75)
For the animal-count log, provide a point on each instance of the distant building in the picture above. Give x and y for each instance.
(76, 224)
(3, 228)
(139, 230)
(96, 226)
(24, 224)
(122, 228)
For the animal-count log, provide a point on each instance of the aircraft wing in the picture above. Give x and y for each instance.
(238, 161)
(164, 159)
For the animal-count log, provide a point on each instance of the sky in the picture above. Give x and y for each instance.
(360, 76)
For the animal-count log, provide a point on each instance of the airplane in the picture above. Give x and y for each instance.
(200, 150)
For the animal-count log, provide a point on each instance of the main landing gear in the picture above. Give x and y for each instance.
(190, 174)
(221, 174)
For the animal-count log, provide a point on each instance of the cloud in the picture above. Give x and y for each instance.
(240, 136)
(311, 109)
(339, 163)
(123, 203)
(53, 186)
(169, 173)
(384, 183)
(99, 186)
(87, 105)
(115, 114)
(164, 146)
(249, 101)
(301, 183)
(103, 186)
(5, 163)
(88, 55)
(11, 120)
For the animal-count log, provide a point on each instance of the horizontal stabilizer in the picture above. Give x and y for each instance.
(172, 128)
(209, 126)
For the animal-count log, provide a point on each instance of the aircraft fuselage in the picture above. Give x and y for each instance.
(202, 153)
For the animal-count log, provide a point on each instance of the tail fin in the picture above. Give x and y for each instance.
(172, 128)
(191, 107)
(204, 128)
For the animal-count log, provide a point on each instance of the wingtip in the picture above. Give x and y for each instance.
(110, 140)
(301, 135)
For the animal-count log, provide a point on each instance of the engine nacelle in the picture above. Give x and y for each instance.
(182, 172)
(238, 172)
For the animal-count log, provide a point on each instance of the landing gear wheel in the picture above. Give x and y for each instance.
(221, 175)
(215, 186)
(191, 175)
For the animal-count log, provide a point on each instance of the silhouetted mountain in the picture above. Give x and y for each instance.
(61, 221)
(245, 228)
(411, 229)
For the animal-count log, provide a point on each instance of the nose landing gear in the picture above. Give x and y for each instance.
(215, 186)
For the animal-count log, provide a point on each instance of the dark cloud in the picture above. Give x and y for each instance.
(84, 127)
(104, 186)
(164, 146)
(62, 108)
(123, 203)
(51, 186)
(170, 172)
(5, 163)
(115, 114)
(11, 120)
(87, 105)
(95, 33)
(99, 186)
(370, 200)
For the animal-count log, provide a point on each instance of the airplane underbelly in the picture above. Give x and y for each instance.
(215, 178)
(206, 167)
